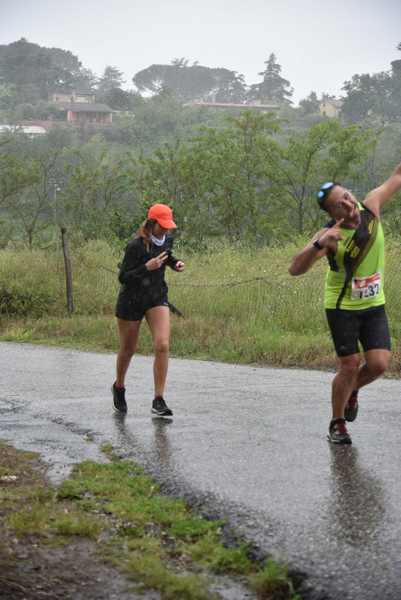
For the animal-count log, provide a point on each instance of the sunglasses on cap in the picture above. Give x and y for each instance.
(323, 192)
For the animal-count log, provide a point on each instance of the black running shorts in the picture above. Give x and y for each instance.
(369, 327)
(134, 310)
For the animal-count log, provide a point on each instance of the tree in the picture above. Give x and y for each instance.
(28, 186)
(94, 185)
(310, 104)
(8, 96)
(15, 174)
(117, 99)
(377, 95)
(30, 205)
(325, 152)
(85, 80)
(35, 71)
(395, 94)
(111, 79)
(191, 82)
(365, 95)
(110, 92)
(217, 182)
(161, 119)
(229, 87)
(274, 88)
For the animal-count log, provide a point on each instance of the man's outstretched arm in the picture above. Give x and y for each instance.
(325, 240)
(382, 194)
(306, 258)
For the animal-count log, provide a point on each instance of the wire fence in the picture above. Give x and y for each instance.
(222, 284)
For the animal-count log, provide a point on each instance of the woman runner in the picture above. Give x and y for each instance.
(143, 293)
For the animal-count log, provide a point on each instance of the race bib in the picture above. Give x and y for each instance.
(366, 287)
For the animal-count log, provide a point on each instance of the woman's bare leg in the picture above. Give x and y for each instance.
(128, 332)
(158, 319)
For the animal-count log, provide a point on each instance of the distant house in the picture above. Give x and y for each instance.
(330, 107)
(29, 130)
(237, 105)
(80, 107)
(72, 96)
(82, 112)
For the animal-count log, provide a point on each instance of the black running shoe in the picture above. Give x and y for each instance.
(338, 433)
(160, 408)
(351, 409)
(119, 399)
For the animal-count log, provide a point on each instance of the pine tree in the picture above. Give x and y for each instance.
(274, 88)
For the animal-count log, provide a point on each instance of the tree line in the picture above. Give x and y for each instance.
(29, 73)
(245, 176)
(251, 180)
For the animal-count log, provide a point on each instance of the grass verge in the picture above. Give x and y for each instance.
(155, 540)
(240, 305)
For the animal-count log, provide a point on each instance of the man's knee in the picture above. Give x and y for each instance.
(349, 365)
(377, 365)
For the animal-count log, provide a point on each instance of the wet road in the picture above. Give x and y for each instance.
(245, 442)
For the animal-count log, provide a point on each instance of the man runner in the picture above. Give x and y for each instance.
(353, 243)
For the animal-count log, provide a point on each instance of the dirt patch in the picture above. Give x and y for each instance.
(32, 571)
(72, 572)
(108, 528)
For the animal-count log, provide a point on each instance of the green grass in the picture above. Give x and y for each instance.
(156, 540)
(277, 320)
(273, 581)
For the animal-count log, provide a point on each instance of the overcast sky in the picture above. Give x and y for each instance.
(318, 44)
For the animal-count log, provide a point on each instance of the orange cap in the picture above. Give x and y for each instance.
(163, 215)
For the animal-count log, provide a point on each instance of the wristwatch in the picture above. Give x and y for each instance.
(318, 245)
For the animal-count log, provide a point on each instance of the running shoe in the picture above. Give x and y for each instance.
(160, 408)
(351, 409)
(119, 399)
(338, 433)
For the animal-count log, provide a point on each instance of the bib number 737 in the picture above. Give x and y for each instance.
(366, 287)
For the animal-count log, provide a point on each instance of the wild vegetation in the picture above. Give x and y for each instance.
(238, 175)
(114, 514)
(29, 74)
(249, 180)
(241, 185)
(267, 316)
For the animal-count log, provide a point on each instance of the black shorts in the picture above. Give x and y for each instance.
(369, 327)
(134, 309)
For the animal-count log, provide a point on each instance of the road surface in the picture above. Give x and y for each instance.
(247, 443)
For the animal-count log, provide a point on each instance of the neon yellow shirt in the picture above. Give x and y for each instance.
(366, 288)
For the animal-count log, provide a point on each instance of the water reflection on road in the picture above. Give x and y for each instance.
(357, 507)
(249, 442)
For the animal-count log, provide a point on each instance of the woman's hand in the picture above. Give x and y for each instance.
(179, 265)
(156, 262)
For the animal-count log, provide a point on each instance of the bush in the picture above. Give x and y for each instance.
(18, 303)
(31, 283)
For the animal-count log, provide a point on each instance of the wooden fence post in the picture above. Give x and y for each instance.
(67, 268)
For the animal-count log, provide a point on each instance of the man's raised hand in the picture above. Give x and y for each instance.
(331, 236)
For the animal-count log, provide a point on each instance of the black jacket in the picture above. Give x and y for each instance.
(136, 281)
